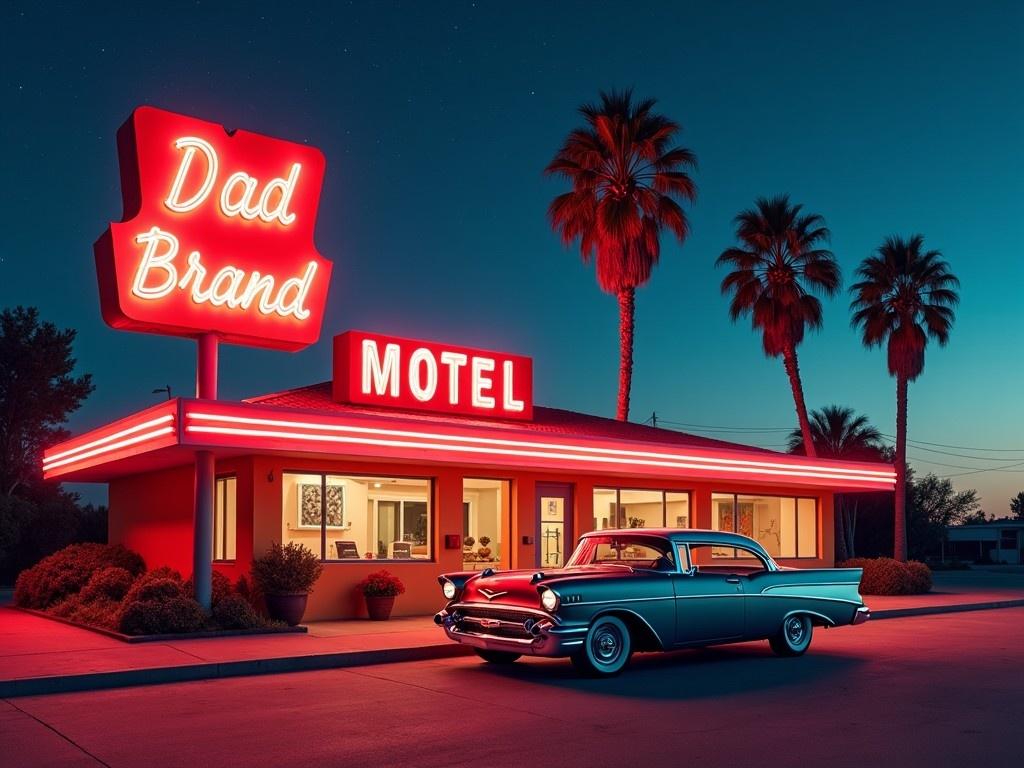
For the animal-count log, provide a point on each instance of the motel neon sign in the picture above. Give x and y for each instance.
(216, 236)
(371, 369)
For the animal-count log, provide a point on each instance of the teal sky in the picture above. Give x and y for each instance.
(437, 120)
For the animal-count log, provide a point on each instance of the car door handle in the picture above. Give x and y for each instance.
(732, 579)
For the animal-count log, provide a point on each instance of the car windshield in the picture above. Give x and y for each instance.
(623, 549)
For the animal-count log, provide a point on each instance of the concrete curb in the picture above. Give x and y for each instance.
(95, 681)
(928, 610)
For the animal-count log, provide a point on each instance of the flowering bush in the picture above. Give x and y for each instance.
(381, 584)
(291, 568)
(885, 576)
(67, 571)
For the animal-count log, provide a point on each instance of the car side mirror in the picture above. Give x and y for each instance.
(691, 571)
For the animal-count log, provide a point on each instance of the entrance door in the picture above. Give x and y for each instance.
(554, 524)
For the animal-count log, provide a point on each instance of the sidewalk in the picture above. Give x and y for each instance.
(42, 656)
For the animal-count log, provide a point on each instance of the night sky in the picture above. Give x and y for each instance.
(437, 119)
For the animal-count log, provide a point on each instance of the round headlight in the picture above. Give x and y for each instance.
(448, 588)
(549, 600)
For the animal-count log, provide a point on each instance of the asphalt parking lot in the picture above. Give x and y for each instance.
(932, 691)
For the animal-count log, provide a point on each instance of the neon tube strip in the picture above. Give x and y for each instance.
(529, 453)
(114, 436)
(871, 475)
(110, 447)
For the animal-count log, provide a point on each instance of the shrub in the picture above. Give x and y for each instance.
(66, 572)
(291, 568)
(920, 577)
(157, 574)
(381, 584)
(110, 585)
(221, 587)
(164, 616)
(235, 612)
(886, 576)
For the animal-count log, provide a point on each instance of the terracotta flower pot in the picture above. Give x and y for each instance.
(287, 607)
(379, 608)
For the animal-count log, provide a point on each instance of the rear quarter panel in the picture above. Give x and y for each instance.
(830, 594)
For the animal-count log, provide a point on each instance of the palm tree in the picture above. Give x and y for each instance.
(779, 261)
(905, 295)
(839, 434)
(627, 179)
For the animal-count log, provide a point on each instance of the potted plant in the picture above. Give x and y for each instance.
(468, 542)
(485, 550)
(285, 575)
(380, 590)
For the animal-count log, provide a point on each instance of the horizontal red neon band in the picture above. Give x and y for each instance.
(678, 460)
(608, 459)
(107, 439)
(108, 448)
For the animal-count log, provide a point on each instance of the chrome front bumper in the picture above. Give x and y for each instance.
(861, 615)
(547, 639)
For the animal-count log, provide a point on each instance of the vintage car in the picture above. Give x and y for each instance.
(647, 590)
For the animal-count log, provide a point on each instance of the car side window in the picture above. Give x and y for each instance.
(707, 560)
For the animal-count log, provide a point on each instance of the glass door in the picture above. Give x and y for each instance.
(554, 523)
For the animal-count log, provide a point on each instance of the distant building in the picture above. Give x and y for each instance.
(995, 541)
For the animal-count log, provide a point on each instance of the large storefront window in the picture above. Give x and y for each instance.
(224, 516)
(358, 518)
(486, 516)
(628, 508)
(787, 527)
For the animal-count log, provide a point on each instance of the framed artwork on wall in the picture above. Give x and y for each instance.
(309, 506)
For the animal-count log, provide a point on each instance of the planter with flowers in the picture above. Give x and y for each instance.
(380, 590)
(285, 575)
(485, 548)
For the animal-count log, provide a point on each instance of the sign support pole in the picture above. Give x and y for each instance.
(202, 521)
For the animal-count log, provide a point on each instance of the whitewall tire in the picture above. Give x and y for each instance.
(794, 636)
(606, 648)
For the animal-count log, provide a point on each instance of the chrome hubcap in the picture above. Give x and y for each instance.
(795, 631)
(606, 645)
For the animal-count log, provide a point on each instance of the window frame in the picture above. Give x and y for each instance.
(664, 503)
(796, 498)
(224, 528)
(431, 501)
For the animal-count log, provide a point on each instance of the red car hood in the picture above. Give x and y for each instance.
(520, 587)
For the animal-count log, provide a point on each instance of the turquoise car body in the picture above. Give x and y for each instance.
(673, 603)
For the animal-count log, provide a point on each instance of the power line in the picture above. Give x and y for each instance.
(961, 447)
(950, 453)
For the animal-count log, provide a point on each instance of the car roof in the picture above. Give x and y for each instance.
(694, 535)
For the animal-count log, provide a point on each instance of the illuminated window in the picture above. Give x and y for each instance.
(632, 508)
(358, 518)
(224, 517)
(486, 517)
(787, 527)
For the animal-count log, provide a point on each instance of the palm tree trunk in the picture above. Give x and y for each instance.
(842, 552)
(900, 524)
(626, 310)
(793, 371)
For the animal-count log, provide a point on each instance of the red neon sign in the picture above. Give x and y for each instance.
(216, 235)
(371, 369)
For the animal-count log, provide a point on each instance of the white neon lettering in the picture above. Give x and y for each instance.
(378, 378)
(418, 360)
(508, 402)
(240, 208)
(191, 145)
(480, 382)
(238, 195)
(454, 361)
(228, 287)
(286, 186)
(153, 260)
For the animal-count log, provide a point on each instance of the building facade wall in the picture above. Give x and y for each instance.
(152, 513)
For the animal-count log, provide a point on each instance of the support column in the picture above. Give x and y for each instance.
(202, 517)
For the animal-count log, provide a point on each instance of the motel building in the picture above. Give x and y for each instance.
(401, 459)
(418, 457)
